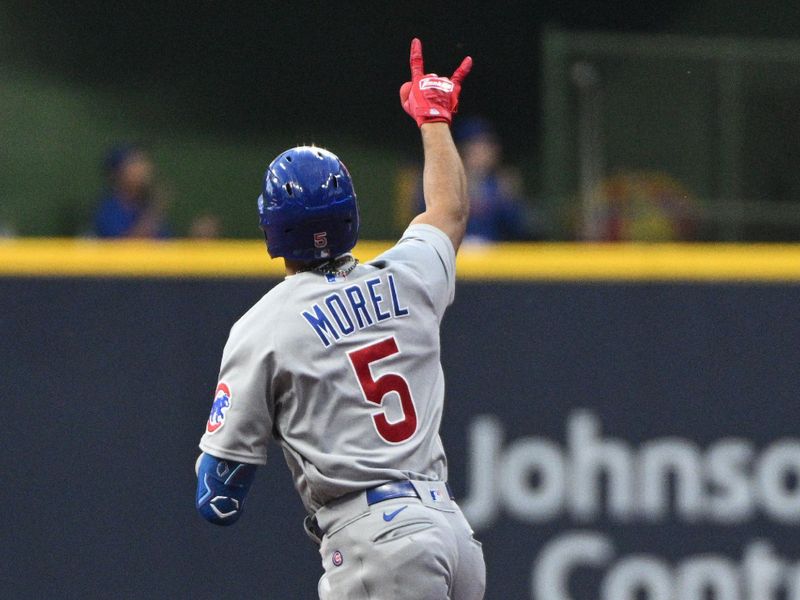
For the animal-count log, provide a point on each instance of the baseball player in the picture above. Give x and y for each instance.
(339, 363)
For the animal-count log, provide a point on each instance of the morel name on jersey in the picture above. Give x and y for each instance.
(358, 306)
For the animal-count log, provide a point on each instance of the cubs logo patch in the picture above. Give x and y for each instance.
(220, 406)
(337, 559)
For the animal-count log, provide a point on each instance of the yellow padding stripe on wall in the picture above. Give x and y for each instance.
(550, 262)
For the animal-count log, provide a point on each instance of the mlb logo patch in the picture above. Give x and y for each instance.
(436, 495)
(220, 406)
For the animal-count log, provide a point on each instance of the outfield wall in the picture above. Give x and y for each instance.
(607, 433)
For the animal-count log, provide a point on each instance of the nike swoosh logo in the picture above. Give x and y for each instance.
(389, 516)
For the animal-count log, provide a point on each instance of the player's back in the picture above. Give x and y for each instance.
(344, 372)
(356, 379)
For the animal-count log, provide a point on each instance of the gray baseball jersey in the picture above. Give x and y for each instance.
(343, 372)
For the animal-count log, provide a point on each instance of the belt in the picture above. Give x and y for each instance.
(396, 489)
(381, 493)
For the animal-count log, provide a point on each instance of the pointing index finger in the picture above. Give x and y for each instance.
(417, 68)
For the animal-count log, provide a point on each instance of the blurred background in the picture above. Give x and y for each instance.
(601, 120)
(621, 419)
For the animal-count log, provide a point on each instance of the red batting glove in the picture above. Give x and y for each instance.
(430, 98)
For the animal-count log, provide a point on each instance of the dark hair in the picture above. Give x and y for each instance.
(117, 155)
(471, 128)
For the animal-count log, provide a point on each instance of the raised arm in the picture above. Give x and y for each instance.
(443, 184)
(431, 101)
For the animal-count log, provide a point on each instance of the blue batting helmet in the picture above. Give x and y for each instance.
(307, 206)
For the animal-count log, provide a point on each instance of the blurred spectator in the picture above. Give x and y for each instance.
(498, 211)
(130, 205)
(205, 227)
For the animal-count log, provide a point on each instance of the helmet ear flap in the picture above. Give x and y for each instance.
(266, 240)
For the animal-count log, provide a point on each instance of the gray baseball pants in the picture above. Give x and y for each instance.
(401, 549)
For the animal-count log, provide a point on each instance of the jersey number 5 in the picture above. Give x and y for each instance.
(375, 390)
